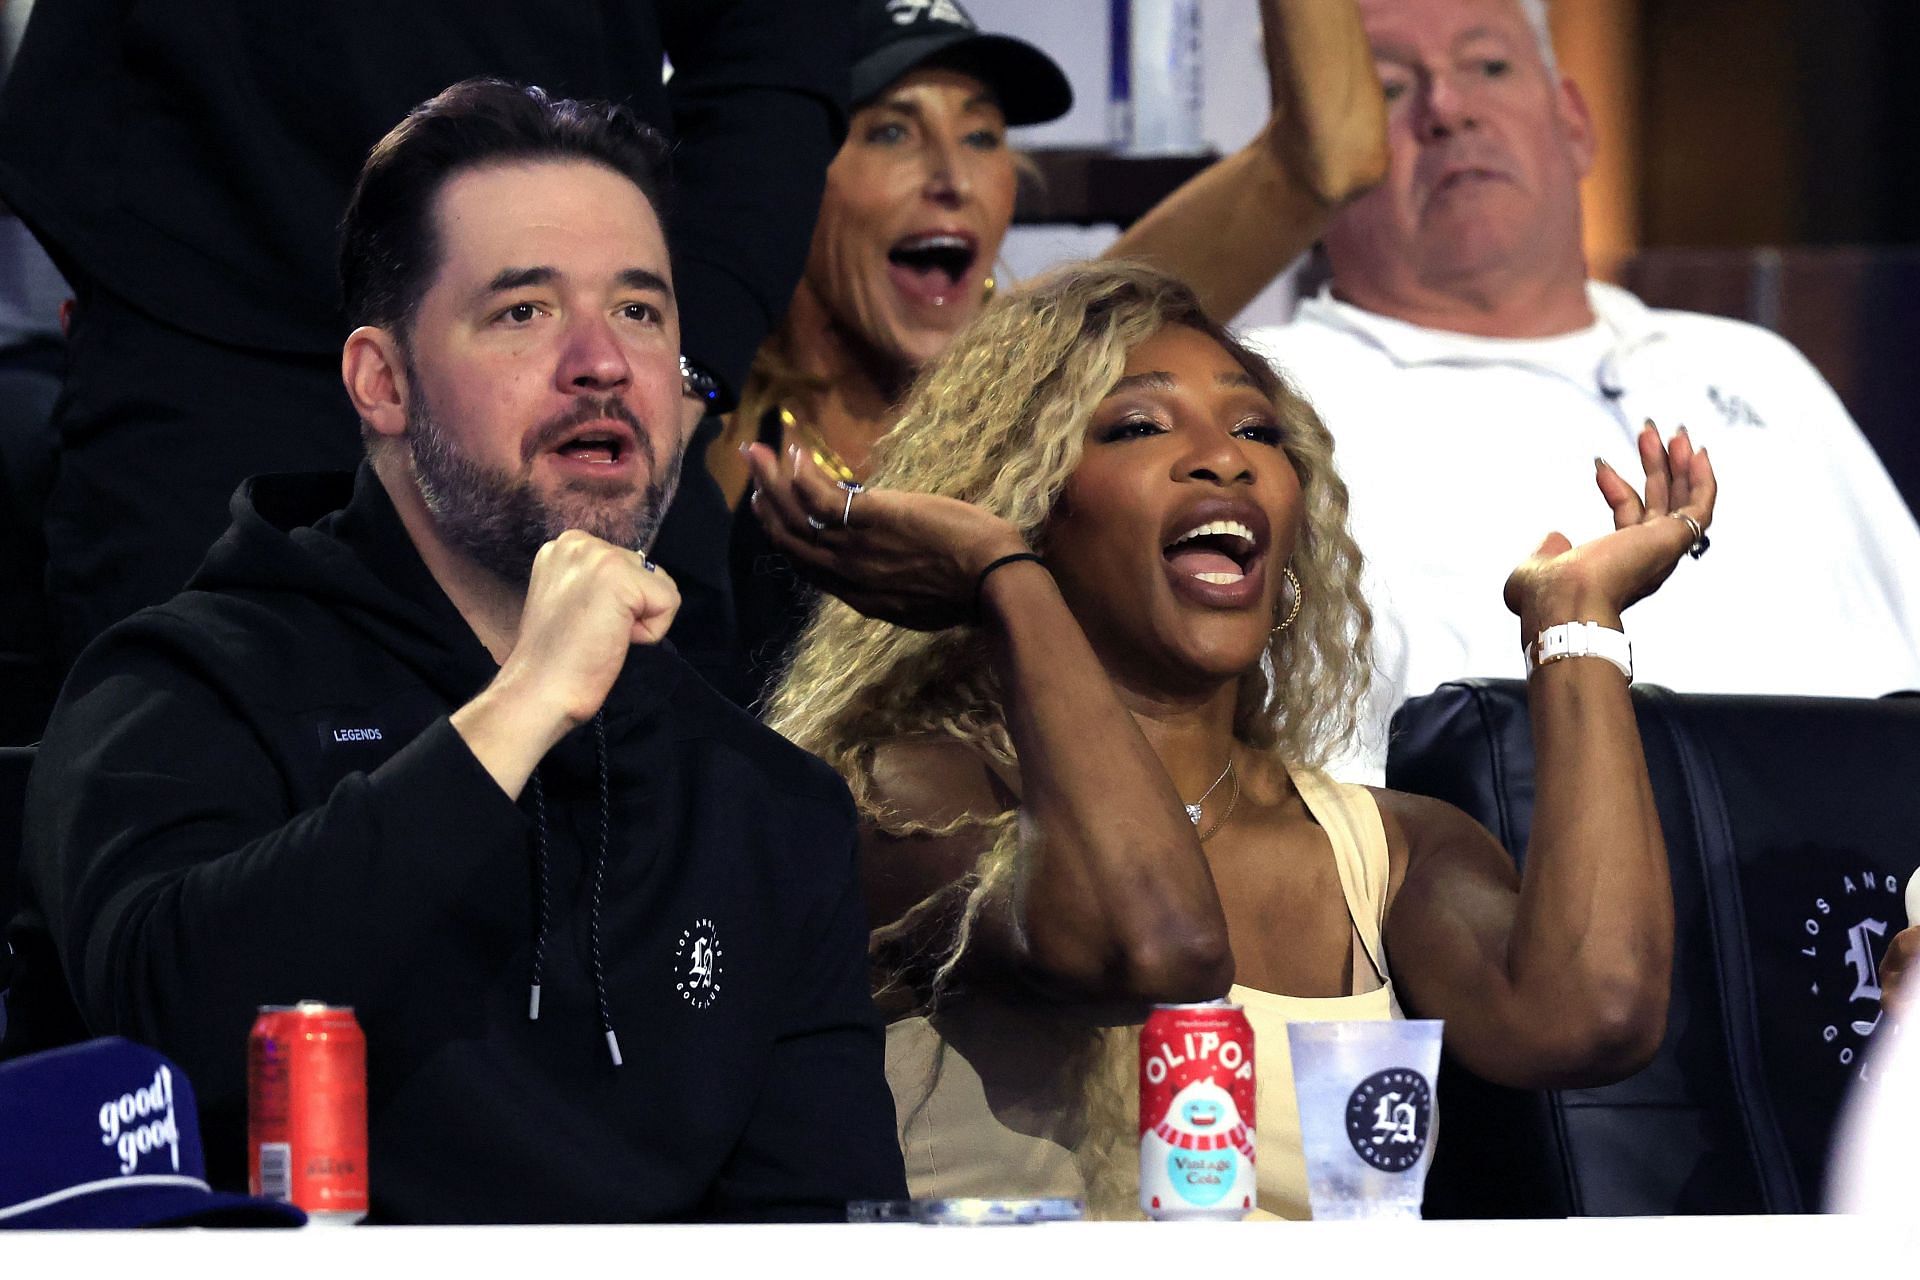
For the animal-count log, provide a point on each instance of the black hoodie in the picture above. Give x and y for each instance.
(253, 795)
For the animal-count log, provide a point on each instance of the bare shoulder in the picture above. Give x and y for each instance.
(1421, 830)
(935, 779)
(927, 787)
(1413, 820)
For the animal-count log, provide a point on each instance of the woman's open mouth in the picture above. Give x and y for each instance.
(1216, 563)
(1218, 552)
(933, 267)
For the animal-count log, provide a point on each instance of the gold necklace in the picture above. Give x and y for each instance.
(824, 454)
(1233, 798)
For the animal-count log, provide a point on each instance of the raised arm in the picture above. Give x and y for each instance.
(759, 105)
(1559, 976)
(1233, 227)
(173, 854)
(1111, 895)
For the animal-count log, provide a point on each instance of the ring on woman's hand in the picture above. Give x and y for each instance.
(854, 489)
(815, 524)
(1701, 542)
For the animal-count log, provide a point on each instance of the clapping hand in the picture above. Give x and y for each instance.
(1595, 581)
(912, 559)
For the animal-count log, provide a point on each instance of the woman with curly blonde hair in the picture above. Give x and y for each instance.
(916, 208)
(1097, 627)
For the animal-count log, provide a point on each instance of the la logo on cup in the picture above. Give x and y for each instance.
(1389, 1115)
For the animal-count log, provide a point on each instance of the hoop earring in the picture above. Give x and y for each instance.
(987, 288)
(1293, 612)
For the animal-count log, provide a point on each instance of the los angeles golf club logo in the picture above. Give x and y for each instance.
(1389, 1116)
(698, 964)
(1843, 937)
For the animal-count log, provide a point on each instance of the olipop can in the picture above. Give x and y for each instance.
(1196, 1112)
(307, 1110)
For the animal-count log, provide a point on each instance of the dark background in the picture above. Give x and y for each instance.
(1792, 125)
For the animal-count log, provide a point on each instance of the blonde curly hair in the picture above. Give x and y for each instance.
(999, 420)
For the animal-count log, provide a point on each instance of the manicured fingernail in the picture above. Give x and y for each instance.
(1600, 464)
(1650, 426)
(1683, 431)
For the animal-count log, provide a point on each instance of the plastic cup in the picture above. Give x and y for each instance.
(1367, 1114)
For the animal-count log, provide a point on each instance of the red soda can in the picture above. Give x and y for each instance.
(1196, 1112)
(307, 1110)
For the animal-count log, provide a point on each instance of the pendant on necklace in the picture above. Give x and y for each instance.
(1193, 812)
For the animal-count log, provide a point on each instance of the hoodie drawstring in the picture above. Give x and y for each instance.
(599, 889)
(540, 860)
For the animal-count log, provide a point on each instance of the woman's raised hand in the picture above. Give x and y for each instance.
(1651, 531)
(912, 559)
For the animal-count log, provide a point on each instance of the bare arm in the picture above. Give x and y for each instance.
(1111, 895)
(1560, 976)
(1232, 228)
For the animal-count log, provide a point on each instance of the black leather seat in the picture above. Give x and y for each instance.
(1790, 826)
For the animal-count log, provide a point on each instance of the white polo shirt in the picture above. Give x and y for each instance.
(1461, 453)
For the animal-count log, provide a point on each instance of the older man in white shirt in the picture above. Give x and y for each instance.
(1475, 379)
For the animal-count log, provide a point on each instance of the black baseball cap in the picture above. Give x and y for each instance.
(893, 37)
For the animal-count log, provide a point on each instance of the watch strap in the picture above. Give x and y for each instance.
(697, 384)
(1581, 640)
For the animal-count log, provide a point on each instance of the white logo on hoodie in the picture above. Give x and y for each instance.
(141, 1122)
(698, 962)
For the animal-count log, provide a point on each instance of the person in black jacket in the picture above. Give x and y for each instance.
(186, 162)
(413, 742)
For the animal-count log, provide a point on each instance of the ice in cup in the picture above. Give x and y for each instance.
(1367, 1113)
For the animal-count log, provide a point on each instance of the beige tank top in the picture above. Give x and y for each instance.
(992, 1096)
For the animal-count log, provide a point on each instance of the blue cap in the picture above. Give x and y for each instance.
(105, 1134)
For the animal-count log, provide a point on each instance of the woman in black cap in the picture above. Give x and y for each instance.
(921, 195)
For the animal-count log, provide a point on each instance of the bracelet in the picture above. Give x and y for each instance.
(697, 384)
(980, 583)
(1581, 640)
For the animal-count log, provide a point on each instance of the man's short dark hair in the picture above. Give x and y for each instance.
(388, 248)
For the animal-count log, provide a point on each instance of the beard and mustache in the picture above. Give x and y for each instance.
(500, 520)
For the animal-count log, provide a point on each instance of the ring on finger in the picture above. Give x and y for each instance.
(1698, 547)
(854, 489)
(816, 524)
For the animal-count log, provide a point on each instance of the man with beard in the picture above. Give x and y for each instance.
(1479, 386)
(412, 741)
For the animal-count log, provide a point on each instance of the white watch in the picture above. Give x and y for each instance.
(1581, 640)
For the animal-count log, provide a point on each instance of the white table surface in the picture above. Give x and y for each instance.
(1807, 1248)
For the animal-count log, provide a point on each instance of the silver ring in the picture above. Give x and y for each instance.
(846, 517)
(1698, 547)
(816, 525)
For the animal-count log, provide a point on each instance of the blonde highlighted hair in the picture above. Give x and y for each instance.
(999, 420)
